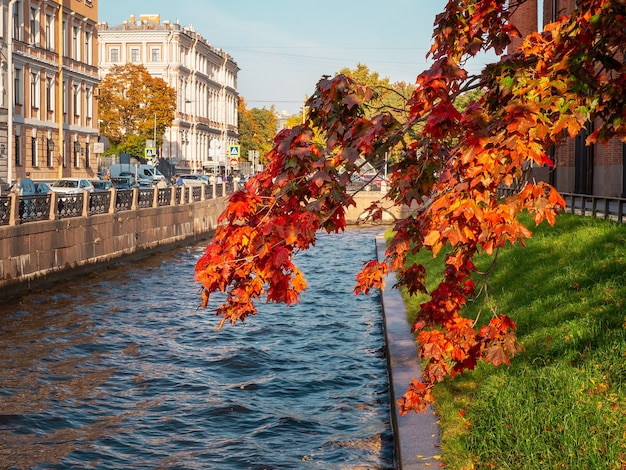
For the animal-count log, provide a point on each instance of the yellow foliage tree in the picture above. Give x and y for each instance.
(133, 104)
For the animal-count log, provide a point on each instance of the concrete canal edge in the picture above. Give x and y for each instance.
(416, 436)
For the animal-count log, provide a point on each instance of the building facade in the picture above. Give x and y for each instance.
(205, 80)
(596, 169)
(48, 111)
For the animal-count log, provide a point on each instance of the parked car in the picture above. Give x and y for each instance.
(72, 185)
(123, 182)
(193, 180)
(42, 188)
(139, 179)
(101, 185)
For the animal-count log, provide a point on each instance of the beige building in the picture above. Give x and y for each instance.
(205, 80)
(49, 82)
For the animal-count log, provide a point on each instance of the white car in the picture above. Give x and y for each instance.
(194, 180)
(72, 185)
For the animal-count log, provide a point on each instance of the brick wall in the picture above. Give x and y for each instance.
(525, 20)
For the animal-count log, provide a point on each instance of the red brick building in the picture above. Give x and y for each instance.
(597, 169)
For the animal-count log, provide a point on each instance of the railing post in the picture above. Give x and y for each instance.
(135, 202)
(594, 206)
(173, 196)
(223, 188)
(86, 198)
(14, 209)
(113, 201)
(53, 205)
(155, 199)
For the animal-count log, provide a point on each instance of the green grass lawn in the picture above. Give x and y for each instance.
(562, 401)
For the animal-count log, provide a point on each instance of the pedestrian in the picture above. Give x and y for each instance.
(179, 181)
(27, 205)
(27, 187)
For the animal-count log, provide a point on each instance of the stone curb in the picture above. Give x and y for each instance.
(416, 436)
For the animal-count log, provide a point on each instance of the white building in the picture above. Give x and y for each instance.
(205, 80)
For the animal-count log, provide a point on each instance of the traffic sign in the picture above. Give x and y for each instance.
(234, 162)
(233, 150)
(150, 152)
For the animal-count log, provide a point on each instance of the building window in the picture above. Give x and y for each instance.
(65, 38)
(75, 47)
(76, 154)
(87, 52)
(17, 90)
(65, 98)
(34, 90)
(18, 151)
(50, 32)
(49, 95)
(88, 102)
(134, 54)
(33, 149)
(17, 7)
(76, 100)
(34, 27)
(155, 54)
(49, 148)
(114, 55)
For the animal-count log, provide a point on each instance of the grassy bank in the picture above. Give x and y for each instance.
(562, 401)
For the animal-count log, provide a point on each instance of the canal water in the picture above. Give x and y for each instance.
(120, 369)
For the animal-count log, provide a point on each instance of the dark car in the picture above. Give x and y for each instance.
(123, 182)
(42, 188)
(102, 185)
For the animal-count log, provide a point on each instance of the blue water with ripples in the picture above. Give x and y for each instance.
(120, 369)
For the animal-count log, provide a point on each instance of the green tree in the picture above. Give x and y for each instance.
(257, 128)
(131, 102)
(387, 97)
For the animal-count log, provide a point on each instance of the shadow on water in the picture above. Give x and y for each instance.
(120, 369)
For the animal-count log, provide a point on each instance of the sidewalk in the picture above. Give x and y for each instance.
(416, 436)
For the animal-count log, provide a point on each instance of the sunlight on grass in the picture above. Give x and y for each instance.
(562, 401)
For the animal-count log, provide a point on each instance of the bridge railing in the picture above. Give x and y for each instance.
(16, 209)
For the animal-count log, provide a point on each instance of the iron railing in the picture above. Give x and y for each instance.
(16, 209)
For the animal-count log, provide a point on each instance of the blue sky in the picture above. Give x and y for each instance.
(284, 47)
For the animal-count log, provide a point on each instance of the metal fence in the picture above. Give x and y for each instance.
(597, 206)
(16, 210)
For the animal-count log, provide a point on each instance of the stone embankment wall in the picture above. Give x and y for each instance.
(44, 251)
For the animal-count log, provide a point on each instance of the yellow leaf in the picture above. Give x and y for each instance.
(432, 238)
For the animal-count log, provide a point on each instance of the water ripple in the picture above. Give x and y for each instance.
(121, 370)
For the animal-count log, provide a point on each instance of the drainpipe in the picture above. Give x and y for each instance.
(10, 94)
(224, 113)
(60, 88)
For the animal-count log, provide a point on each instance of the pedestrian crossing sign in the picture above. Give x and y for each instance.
(150, 152)
(233, 150)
